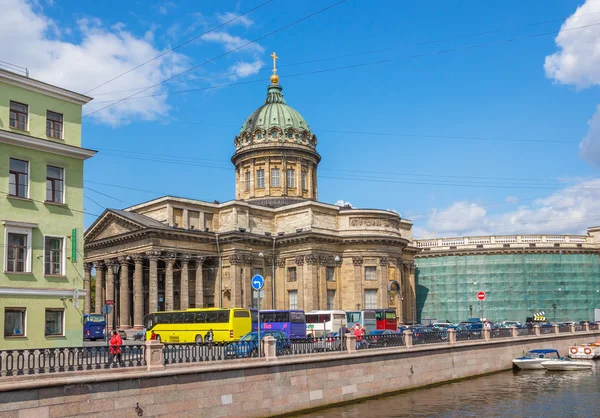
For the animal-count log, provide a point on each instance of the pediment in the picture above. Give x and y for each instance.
(113, 229)
(110, 225)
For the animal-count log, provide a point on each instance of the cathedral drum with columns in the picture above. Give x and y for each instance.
(176, 253)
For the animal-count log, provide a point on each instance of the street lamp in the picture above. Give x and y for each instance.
(115, 269)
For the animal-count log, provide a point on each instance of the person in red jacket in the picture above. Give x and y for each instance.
(358, 333)
(115, 347)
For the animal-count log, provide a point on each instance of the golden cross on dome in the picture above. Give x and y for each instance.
(274, 77)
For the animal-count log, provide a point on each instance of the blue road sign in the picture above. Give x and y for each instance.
(107, 309)
(258, 282)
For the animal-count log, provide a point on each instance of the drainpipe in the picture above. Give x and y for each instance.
(220, 274)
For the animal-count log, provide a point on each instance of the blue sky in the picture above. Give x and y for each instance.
(411, 134)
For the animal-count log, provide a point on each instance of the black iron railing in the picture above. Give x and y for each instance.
(579, 328)
(200, 352)
(547, 330)
(59, 360)
(564, 328)
(501, 333)
(594, 327)
(526, 331)
(429, 337)
(382, 341)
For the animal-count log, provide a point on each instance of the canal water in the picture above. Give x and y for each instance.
(534, 393)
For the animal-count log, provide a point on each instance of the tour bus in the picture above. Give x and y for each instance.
(366, 319)
(291, 322)
(192, 325)
(386, 319)
(319, 323)
(94, 327)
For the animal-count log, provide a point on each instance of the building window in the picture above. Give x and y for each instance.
(54, 124)
(18, 115)
(330, 274)
(371, 299)
(54, 184)
(260, 178)
(18, 178)
(16, 253)
(193, 219)
(291, 182)
(303, 178)
(331, 299)
(370, 273)
(53, 256)
(178, 218)
(14, 322)
(54, 322)
(275, 180)
(247, 181)
(274, 134)
(293, 299)
(208, 222)
(291, 274)
(290, 135)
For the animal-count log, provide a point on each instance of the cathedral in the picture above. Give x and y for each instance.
(174, 253)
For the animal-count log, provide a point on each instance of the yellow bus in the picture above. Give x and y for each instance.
(192, 325)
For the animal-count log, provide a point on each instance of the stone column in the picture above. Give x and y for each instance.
(350, 342)
(400, 300)
(245, 282)
(384, 298)
(536, 329)
(235, 262)
(99, 279)
(514, 332)
(555, 328)
(486, 334)
(124, 306)
(298, 177)
(184, 293)
(87, 300)
(586, 327)
(199, 282)
(252, 185)
(170, 260)
(153, 282)
(309, 282)
(451, 336)
(299, 285)
(154, 355)
(358, 297)
(572, 328)
(138, 292)
(408, 338)
(110, 292)
(270, 348)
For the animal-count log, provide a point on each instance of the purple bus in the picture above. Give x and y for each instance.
(291, 322)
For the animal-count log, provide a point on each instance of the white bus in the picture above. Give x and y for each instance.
(365, 319)
(319, 323)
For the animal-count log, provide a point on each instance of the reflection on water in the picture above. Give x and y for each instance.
(534, 393)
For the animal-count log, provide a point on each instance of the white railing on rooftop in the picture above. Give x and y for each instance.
(493, 240)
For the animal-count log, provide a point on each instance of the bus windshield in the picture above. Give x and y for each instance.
(95, 318)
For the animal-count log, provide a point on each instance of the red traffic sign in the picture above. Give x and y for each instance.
(110, 302)
(480, 295)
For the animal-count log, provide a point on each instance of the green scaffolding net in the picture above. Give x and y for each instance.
(564, 286)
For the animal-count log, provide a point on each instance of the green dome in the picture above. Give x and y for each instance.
(275, 121)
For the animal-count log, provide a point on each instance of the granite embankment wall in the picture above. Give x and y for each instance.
(256, 387)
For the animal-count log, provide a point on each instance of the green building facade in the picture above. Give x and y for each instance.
(562, 280)
(41, 214)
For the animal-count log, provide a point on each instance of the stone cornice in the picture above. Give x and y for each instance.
(504, 251)
(45, 145)
(44, 88)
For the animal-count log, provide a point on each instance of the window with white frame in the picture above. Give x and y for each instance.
(54, 124)
(330, 274)
(54, 323)
(14, 322)
(275, 177)
(371, 299)
(18, 174)
(17, 250)
(303, 179)
(370, 273)
(247, 181)
(19, 115)
(291, 182)
(53, 256)
(293, 299)
(54, 184)
(331, 299)
(260, 179)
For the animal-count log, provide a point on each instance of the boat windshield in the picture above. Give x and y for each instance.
(542, 354)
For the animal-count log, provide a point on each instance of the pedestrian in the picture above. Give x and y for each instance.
(209, 337)
(115, 347)
(153, 335)
(358, 333)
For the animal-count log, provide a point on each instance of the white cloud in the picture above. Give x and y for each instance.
(569, 211)
(511, 199)
(231, 42)
(241, 20)
(163, 9)
(343, 203)
(243, 69)
(577, 63)
(30, 40)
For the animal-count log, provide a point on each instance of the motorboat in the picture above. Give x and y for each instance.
(534, 359)
(585, 351)
(567, 364)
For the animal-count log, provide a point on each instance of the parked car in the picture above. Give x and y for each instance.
(383, 338)
(247, 346)
(508, 324)
(123, 334)
(423, 335)
(139, 336)
(330, 342)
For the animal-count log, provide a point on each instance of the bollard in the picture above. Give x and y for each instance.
(486, 334)
(536, 329)
(451, 336)
(572, 326)
(350, 343)
(270, 348)
(556, 329)
(154, 355)
(514, 332)
(408, 338)
(587, 327)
